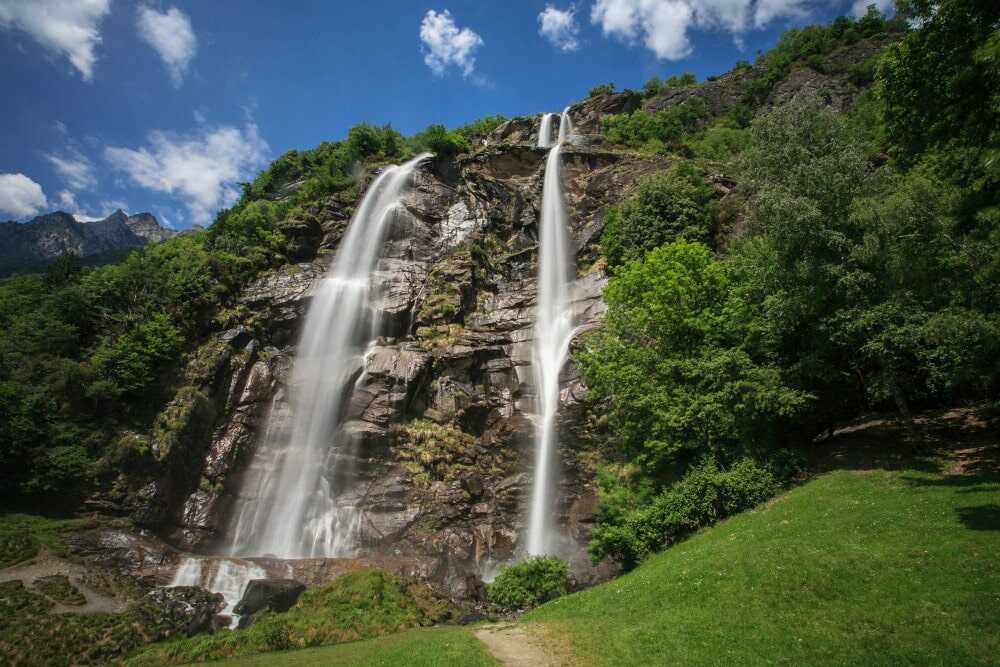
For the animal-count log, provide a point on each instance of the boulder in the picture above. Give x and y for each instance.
(275, 594)
(187, 609)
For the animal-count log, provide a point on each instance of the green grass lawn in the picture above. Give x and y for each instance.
(425, 647)
(873, 567)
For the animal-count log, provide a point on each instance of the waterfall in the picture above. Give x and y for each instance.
(287, 507)
(545, 131)
(552, 336)
(565, 128)
(219, 575)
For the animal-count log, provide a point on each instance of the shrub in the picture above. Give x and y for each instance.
(601, 89)
(529, 583)
(706, 494)
(668, 126)
(438, 140)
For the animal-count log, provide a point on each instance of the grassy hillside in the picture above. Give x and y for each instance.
(885, 563)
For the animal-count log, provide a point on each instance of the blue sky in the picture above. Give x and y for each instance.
(166, 106)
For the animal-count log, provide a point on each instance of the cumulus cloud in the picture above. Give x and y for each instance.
(171, 36)
(202, 169)
(664, 26)
(446, 44)
(66, 27)
(559, 27)
(20, 196)
(74, 168)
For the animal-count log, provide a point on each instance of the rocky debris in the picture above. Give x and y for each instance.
(188, 608)
(275, 594)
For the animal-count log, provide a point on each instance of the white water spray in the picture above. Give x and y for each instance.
(545, 131)
(288, 506)
(219, 575)
(552, 336)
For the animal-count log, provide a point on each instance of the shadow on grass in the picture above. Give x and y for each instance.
(962, 444)
(981, 517)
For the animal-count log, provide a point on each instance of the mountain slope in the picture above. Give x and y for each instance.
(29, 245)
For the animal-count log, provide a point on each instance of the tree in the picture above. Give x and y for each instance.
(664, 207)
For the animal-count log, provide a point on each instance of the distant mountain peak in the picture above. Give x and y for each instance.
(28, 246)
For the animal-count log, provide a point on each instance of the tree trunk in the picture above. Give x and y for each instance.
(912, 435)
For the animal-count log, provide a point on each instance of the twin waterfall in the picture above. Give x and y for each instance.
(552, 335)
(287, 507)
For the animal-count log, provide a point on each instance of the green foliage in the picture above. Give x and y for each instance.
(58, 588)
(676, 368)
(633, 525)
(21, 536)
(665, 207)
(655, 85)
(529, 583)
(479, 129)
(130, 362)
(721, 142)
(440, 141)
(367, 603)
(601, 89)
(658, 130)
(940, 89)
(809, 45)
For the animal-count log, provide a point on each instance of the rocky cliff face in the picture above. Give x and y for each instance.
(29, 245)
(441, 411)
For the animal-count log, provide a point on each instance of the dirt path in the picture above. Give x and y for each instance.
(513, 646)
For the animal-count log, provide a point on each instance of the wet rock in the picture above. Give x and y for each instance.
(188, 608)
(275, 594)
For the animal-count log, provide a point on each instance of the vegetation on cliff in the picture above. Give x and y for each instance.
(856, 282)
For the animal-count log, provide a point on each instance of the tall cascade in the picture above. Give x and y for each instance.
(565, 128)
(545, 131)
(552, 336)
(287, 505)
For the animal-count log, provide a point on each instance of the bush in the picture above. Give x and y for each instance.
(529, 583)
(438, 140)
(668, 126)
(664, 207)
(705, 495)
(601, 89)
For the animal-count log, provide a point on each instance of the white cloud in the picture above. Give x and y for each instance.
(75, 169)
(67, 201)
(664, 26)
(559, 27)
(447, 44)
(67, 27)
(20, 196)
(170, 34)
(201, 169)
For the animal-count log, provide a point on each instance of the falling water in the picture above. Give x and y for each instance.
(288, 507)
(553, 332)
(565, 128)
(545, 131)
(219, 575)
